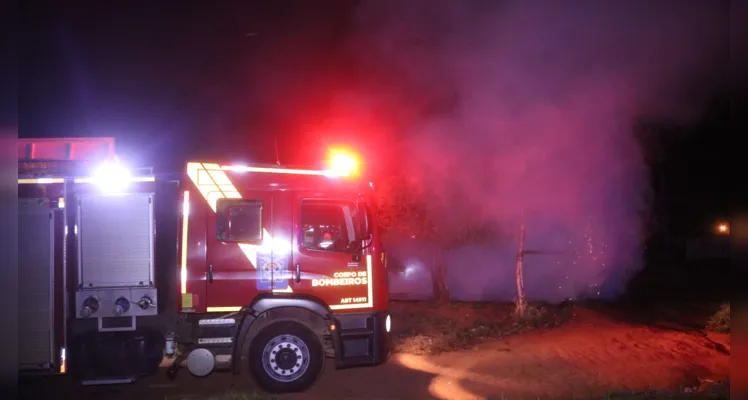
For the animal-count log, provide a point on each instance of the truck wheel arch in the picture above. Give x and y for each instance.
(264, 310)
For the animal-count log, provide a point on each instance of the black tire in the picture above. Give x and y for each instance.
(301, 341)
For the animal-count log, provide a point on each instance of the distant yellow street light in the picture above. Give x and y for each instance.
(723, 228)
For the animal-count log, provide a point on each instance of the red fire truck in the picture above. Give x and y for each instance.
(277, 268)
(280, 268)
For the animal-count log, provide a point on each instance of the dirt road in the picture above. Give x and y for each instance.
(586, 358)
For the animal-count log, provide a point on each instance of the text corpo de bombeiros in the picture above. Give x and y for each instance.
(350, 278)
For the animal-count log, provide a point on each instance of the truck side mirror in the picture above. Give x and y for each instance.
(365, 228)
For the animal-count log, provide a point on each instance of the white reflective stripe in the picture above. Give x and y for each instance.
(185, 230)
(33, 181)
(217, 321)
(77, 180)
(223, 309)
(205, 177)
(215, 340)
(63, 361)
(370, 285)
(214, 184)
(370, 292)
(284, 171)
(134, 179)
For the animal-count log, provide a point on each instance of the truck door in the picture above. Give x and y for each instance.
(245, 251)
(328, 264)
(35, 280)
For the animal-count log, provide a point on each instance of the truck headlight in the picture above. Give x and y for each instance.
(388, 323)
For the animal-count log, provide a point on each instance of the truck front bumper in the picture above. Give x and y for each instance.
(362, 339)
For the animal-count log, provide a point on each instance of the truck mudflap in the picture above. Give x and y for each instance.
(361, 339)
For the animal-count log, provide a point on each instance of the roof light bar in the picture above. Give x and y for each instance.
(331, 173)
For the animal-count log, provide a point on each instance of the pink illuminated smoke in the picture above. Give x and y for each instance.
(499, 107)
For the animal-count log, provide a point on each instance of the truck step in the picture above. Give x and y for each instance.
(215, 340)
(352, 333)
(217, 322)
(108, 381)
(216, 332)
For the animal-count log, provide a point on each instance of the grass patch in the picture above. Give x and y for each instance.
(427, 328)
(538, 316)
(667, 396)
(707, 390)
(652, 395)
(720, 321)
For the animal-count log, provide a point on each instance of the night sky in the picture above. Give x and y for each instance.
(173, 81)
(226, 79)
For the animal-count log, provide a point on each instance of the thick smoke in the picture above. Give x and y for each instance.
(498, 108)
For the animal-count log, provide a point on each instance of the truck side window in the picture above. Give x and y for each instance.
(239, 220)
(329, 225)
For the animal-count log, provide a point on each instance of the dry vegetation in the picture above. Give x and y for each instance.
(720, 321)
(428, 328)
(708, 391)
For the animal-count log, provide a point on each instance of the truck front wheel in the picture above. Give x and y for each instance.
(286, 357)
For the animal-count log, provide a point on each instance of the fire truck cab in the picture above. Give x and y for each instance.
(279, 268)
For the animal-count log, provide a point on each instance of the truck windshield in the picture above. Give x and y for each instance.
(329, 225)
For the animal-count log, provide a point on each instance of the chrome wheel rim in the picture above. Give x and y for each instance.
(285, 358)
